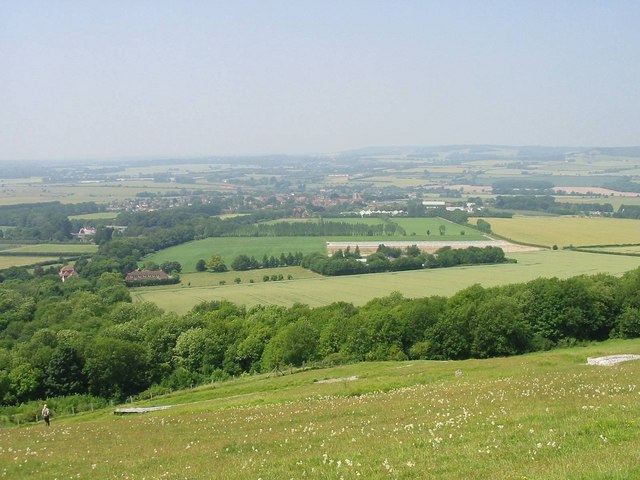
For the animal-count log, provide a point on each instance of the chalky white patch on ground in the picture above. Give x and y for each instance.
(343, 379)
(429, 247)
(125, 411)
(611, 359)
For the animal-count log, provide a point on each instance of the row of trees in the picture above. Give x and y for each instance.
(244, 262)
(547, 203)
(87, 337)
(628, 211)
(389, 259)
(321, 228)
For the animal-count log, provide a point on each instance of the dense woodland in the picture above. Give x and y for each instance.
(85, 336)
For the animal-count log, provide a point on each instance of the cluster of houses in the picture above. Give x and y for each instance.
(467, 207)
(85, 233)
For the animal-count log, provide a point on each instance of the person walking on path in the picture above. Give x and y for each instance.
(45, 414)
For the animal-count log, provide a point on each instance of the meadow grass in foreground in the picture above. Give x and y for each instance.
(542, 416)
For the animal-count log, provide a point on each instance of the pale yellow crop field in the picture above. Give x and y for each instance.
(101, 192)
(95, 216)
(19, 261)
(54, 248)
(564, 231)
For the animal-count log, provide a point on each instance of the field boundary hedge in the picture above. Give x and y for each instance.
(518, 242)
(602, 252)
(152, 282)
(4, 253)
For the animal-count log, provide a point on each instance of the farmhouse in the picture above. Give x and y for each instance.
(86, 232)
(66, 272)
(146, 275)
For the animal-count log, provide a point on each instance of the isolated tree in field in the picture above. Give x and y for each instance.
(428, 233)
(216, 264)
(442, 229)
(201, 265)
(241, 263)
(483, 226)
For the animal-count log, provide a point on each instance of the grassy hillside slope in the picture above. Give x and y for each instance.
(543, 416)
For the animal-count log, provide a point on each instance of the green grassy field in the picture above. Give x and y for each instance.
(359, 289)
(230, 247)
(565, 231)
(95, 216)
(543, 416)
(210, 279)
(416, 228)
(20, 261)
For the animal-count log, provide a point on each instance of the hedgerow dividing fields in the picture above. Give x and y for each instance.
(230, 247)
(359, 289)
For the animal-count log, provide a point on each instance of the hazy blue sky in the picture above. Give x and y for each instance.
(108, 78)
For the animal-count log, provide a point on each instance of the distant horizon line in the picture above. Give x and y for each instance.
(150, 157)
